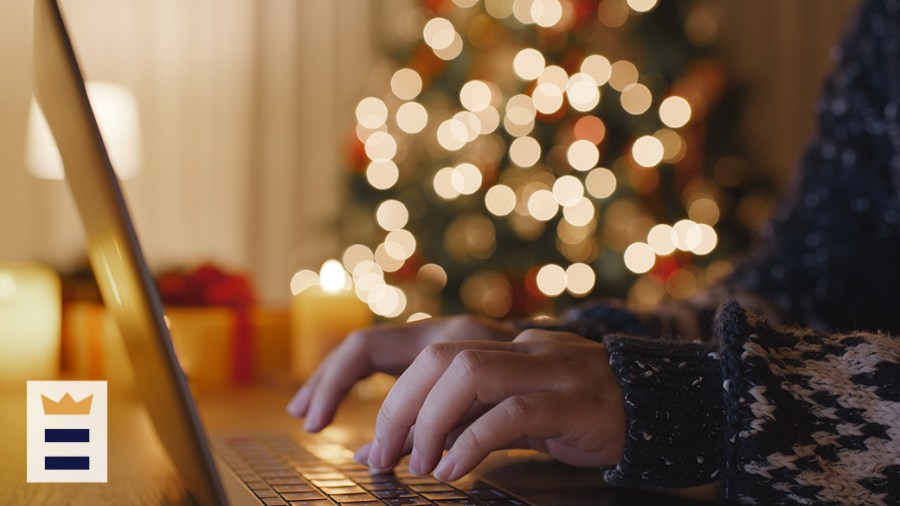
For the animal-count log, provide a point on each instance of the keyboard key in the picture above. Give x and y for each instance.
(316, 468)
(436, 496)
(296, 480)
(407, 501)
(302, 496)
(333, 483)
(392, 493)
(320, 502)
(313, 477)
(274, 501)
(343, 490)
(352, 498)
(353, 466)
(486, 494)
(262, 494)
(506, 502)
(293, 488)
(421, 480)
(458, 502)
(432, 488)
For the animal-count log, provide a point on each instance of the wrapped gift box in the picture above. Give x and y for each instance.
(205, 341)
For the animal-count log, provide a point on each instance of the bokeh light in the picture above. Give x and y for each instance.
(381, 147)
(642, 5)
(439, 33)
(583, 155)
(600, 182)
(525, 151)
(551, 280)
(431, 278)
(466, 178)
(500, 200)
(639, 257)
(662, 239)
(392, 215)
(647, 151)
(598, 67)
(475, 95)
(675, 111)
(542, 205)
(406, 84)
(412, 117)
(302, 280)
(622, 74)
(529, 64)
(568, 190)
(580, 279)
(580, 213)
(582, 92)
(355, 255)
(382, 174)
(636, 99)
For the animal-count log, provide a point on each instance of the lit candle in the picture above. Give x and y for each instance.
(321, 317)
(30, 314)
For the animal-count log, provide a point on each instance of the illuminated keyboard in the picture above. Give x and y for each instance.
(282, 471)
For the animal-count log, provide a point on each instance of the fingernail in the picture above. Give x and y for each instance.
(313, 422)
(294, 405)
(446, 468)
(376, 456)
(414, 462)
(362, 455)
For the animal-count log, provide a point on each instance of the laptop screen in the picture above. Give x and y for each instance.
(129, 291)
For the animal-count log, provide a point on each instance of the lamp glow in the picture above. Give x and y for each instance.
(117, 117)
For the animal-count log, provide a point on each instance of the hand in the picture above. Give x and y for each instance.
(388, 348)
(550, 391)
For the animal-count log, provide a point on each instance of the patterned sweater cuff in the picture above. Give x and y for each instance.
(673, 401)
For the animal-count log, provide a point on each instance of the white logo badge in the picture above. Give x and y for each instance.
(66, 431)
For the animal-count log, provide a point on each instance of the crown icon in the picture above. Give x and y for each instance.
(67, 405)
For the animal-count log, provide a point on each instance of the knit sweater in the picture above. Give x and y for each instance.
(810, 413)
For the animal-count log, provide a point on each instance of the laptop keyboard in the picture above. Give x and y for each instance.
(282, 471)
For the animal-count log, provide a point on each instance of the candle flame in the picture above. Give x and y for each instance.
(332, 276)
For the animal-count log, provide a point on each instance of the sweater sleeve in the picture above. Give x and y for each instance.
(810, 418)
(778, 414)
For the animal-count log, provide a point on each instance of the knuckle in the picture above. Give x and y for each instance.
(530, 335)
(437, 354)
(470, 441)
(469, 363)
(518, 407)
(357, 339)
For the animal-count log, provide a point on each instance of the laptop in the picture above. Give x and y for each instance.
(268, 469)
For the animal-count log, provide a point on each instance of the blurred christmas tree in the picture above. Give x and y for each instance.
(518, 154)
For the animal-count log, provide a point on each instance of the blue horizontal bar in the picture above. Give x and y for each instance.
(66, 463)
(67, 435)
